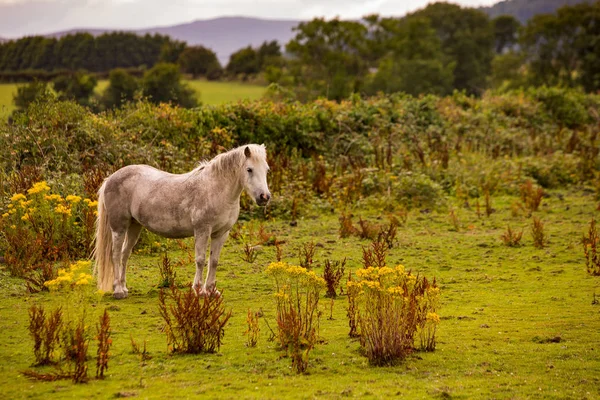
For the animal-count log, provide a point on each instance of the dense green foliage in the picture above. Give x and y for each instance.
(430, 135)
(435, 50)
(84, 51)
(200, 61)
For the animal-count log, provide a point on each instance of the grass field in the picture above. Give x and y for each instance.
(517, 322)
(6, 99)
(208, 92)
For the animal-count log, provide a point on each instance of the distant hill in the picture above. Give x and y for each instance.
(524, 10)
(223, 35)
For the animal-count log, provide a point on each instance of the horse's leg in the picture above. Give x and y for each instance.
(201, 241)
(118, 237)
(133, 234)
(216, 245)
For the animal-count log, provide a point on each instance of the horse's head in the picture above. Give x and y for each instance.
(255, 169)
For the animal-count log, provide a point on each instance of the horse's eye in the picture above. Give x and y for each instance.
(249, 170)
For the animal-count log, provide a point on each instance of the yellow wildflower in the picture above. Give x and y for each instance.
(61, 209)
(17, 197)
(73, 199)
(53, 197)
(433, 317)
(25, 217)
(39, 187)
(5, 215)
(90, 203)
(24, 204)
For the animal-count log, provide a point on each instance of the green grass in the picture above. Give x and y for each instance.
(7, 90)
(499, 305)
(213, 93)
(210, 93)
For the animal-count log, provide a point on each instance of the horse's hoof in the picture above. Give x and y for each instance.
(120, 295)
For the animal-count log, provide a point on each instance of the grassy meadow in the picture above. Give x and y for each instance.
(517, 322)
(516, 319)
(209, 92)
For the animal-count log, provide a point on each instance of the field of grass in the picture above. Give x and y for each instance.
(211, 93)
(516, 322)
(6, 99)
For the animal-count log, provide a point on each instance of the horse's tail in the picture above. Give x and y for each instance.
(103, 266)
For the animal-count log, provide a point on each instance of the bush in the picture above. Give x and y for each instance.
(415, 190)
(78, 87)
(394, 309)
(193, 324)
(162, 84)
(27, 94)
(297, 298)
(122, 88)
(43, 226)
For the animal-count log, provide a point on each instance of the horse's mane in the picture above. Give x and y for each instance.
(229, 163)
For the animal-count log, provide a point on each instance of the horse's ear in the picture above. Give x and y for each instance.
(247, 152)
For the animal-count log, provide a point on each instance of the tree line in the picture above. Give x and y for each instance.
(438, 49)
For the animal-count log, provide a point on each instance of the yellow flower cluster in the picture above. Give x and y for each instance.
(53, 197)
(74, 276)
(90, 203)
(62, 209)
(39, 187)
(16, 197)
(282, 271)
(433, 317)
(73, 199)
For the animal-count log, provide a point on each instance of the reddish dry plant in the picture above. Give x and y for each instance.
(352, 312)
(390, 322)
(368, 230)
(488, 203)
(306, 255)
(375, 255)
(24, 178)
(252, 332)
(590, 249)
(45, 333)
(297, 329)
(278, 250)
(388, 233)
(511, 238)
(142, 352)
(531, 196)
(167, 272)
(294, 211)
(193, 324)
(333, 273)
(477, 208)
(537, 233)
(347, 229)
(104, 342)
(93, 177)
(80, 347)
(249, 253)
(38, 275)
(265, 238)
(454, 220)
(402, 216)
(321, 184)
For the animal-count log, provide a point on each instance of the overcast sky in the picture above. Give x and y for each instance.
(29, 17)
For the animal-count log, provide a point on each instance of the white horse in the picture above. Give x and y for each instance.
(204, 203)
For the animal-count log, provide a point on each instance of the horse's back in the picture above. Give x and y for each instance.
(154, 198)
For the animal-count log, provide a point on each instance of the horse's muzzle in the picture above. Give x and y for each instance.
(263, 199)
